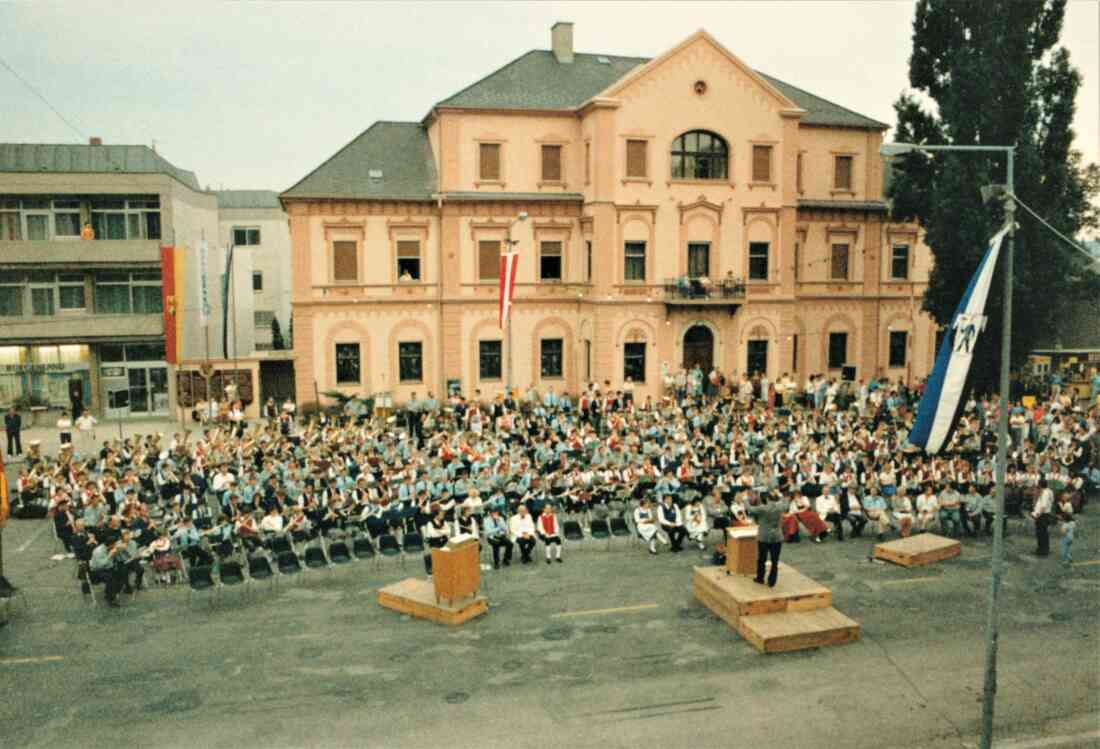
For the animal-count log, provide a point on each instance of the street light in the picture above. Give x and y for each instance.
(1006, 192)
(522, 216)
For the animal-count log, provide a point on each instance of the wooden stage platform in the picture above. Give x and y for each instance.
(918, 550)
(417, 598)
(794, 615)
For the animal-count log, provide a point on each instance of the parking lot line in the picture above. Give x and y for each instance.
(596, 612)
(40, 659)
(1090, 563)
(32, 539)
(911, 580)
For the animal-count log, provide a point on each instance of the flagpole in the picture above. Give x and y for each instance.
(989, 688)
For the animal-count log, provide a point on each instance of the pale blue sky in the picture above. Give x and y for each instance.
(255, 95)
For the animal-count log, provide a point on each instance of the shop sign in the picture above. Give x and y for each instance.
(33, 368)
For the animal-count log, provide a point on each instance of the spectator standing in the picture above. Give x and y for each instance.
(13, 427)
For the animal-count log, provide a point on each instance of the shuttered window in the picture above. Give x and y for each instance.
(843, 173)
(839, 263)
(798, 175)
(408, 259)
(551, 163)
(761, 163)
(550, 261)
(488, 260)
(344, 265)
(636, 158)
(489, 161)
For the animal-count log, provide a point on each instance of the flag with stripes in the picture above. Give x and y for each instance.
(508, 263)
(943, 392)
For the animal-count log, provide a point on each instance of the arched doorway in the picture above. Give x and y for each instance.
(699, 348)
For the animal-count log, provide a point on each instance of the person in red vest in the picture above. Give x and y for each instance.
(549, 530)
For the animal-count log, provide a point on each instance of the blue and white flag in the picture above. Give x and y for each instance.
(939, 407)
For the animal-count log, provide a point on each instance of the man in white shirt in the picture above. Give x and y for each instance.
(828, 509)
(521, 526)
(1042, 514)
(672, 523)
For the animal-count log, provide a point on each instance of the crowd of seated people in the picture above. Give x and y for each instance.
(516, 473)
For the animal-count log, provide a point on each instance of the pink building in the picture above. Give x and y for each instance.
(680, 210)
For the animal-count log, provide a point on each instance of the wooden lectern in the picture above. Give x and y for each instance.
(741, 550)
(456, 570)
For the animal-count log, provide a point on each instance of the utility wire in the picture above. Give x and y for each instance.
(46, 101)
(1067, 240)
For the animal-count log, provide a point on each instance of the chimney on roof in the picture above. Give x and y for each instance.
(95, 140)
(561, 38)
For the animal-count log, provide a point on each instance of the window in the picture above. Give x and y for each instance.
(410, 361)
(761, 163)
(126, 218)
(699, 155)
(489, 358)
(838, 350)
(842, 173)
(587, 163)
(634, 262)
(66, 218)
(634, 362)
(794, 352)
(838, 263)
(488, 260)
(551, 163)
(11, 227)
(588, 260)
(550, 357)
(243, 236)
(489, 161)
(257, 280)
(758, 261)
(698, 259)
(11, 296)
(636, 159)
(899, 262)
(121, 293)
(345, 262)
(347, 363)
(798, 174)
(42, 302)
(899, 343)
(550, 261)
(408, 260)
(70, 291)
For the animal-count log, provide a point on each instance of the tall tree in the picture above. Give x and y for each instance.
(992, 73)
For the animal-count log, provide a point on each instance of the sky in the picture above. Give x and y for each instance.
(256, 95)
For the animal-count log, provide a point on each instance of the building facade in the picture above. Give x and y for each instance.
(668, 212)
(84, 282)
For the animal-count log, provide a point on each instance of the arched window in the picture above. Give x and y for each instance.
(700, 154)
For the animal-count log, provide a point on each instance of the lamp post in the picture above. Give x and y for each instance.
(989, 688)
(522, 216)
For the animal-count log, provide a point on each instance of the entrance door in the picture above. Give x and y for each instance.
(758, 358)
(699, 348)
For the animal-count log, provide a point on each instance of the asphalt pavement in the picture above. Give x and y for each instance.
(608, 649)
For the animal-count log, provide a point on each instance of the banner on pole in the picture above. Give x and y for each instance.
(204, 284)
(508, 263)
(943, 393)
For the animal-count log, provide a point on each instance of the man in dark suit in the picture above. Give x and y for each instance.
(769, 537)
(13, 425)
(76, 397)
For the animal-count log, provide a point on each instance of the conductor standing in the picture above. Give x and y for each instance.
(769, 537)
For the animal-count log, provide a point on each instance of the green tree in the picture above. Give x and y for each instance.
(277, 342)
(992, 72)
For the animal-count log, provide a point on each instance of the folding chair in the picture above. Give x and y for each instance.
(315, 558)
(618, 527)
(362, 547)
(338, 552)
(231, 574)
(288, 564)
(600, 530)
(201, 578)
(389, 547)
(259, 568)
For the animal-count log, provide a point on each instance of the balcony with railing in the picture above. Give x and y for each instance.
(703, 292)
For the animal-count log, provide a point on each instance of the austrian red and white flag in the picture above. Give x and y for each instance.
(508, 263)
